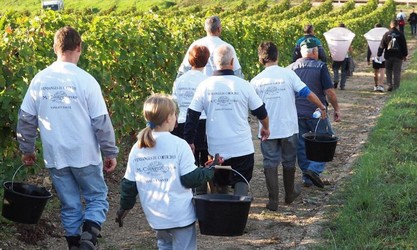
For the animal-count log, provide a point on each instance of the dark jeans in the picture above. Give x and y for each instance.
(393, 71)
(413, 27)
(342, 66)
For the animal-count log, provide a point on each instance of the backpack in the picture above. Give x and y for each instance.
(393, 44)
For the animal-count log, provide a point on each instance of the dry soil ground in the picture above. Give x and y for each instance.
(295, 226)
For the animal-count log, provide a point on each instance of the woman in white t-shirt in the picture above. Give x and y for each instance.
(183, 91)
(161, 170)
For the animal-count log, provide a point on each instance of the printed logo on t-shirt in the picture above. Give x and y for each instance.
(223, 100)
(153, 168)
(60, 96)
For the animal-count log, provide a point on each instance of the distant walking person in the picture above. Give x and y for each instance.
(401, 17)
(212, 41)
(65, 103)
(412, 20)
(394, 47)
(308, 33)
(341, 68)
(378, 64)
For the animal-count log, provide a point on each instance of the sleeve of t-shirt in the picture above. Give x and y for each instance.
(95, 100)
(186, 158)
(325, 78)
(197, 103)
(254, 100)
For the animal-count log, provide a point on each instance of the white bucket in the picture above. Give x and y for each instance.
(339, 39)
(374, 37)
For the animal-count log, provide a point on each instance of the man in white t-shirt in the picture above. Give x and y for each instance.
(213, 28)
(226, 99)
(65, 103)
(277, 87)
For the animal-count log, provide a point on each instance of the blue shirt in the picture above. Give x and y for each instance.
(316, 76)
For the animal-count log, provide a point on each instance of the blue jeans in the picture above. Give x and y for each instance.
(276, 150)
(177, 238)
(336, 66)
(73, 183)
(305, 126)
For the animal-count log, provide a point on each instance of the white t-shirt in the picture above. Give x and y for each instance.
(211, 42)
(277, 87)
(226, 101)
(183, 92)
(65, 98)
(157, 171)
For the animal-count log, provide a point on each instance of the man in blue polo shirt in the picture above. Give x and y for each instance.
(317, 77)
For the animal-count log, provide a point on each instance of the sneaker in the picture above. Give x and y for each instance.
(380, 88)
(390, 88)
(376, 88)
(335, 85)
(314, 177)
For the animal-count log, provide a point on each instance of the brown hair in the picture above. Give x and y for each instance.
(156, 110)
(66, 38)
(198, 56)
(267, 52)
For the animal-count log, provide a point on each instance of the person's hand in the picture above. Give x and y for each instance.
(29, 159)
(109, 164)
(323, 114)
(337, 117)
(265, 133)
(217, 160)
(120, 215)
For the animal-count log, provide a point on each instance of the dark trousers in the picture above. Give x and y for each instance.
(413, 27)
(393, 71)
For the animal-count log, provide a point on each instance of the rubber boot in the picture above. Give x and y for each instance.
(291, 191)
(91, 231)
(73, 242)
(271, 178)
(241, 188)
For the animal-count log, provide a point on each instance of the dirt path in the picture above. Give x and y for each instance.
(297, 226)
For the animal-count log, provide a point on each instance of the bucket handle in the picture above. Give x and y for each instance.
(230, 168)
(14, 175)
(317, 125)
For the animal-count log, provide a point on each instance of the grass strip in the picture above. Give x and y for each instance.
(377, 207)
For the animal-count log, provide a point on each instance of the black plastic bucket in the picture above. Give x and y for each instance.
(24, 203)
(320, 147)
(222, 214)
